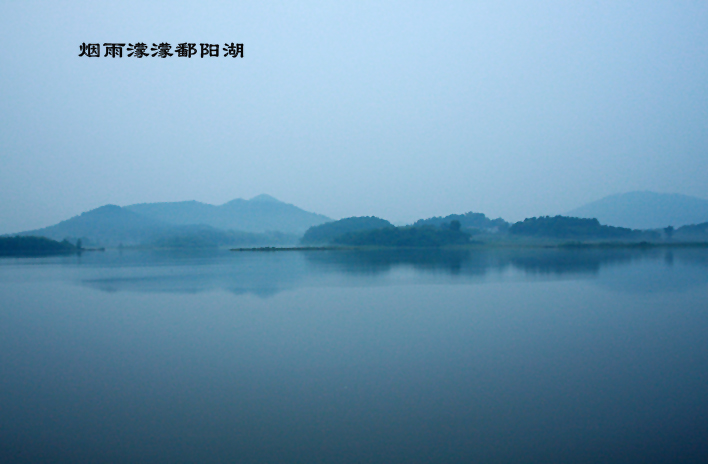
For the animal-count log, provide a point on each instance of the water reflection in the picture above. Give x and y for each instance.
(524, 355)
(373, 262)
(185, 272)
(480, 262)
(266, 274)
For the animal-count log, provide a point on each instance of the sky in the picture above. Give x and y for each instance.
(401, 110)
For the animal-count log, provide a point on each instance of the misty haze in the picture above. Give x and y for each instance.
(340, 233)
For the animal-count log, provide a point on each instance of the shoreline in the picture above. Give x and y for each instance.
(479, 245)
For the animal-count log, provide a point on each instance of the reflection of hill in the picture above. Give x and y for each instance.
(693, 257)
(477, 262)
(666, 271)
(578, 261)
(382, 261)
(197, 271)
(266, 274)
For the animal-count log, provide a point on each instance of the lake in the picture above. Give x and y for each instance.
(509, 355)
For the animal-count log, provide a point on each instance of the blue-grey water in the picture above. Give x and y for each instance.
(518, 356)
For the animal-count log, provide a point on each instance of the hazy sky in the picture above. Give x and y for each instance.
(401, 110)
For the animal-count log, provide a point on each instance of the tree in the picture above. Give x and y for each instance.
(669, 231)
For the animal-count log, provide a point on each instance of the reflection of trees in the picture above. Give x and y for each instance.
(468, 262)
(696, 257)
(479, 262)
(576, 261)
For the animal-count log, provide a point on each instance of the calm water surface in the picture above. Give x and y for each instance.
(355, 357)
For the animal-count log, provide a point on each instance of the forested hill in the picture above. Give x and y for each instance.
(408, 237)
(467, 221)
(697, 232)
(327, 232)
(34, 246)
(562, 227)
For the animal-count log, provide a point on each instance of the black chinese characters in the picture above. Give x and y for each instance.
(161, 50)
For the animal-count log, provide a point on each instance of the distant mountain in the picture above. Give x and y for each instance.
(259, 214)
(645, 210)
(107, 225)
(327, 232)
(262, 220)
